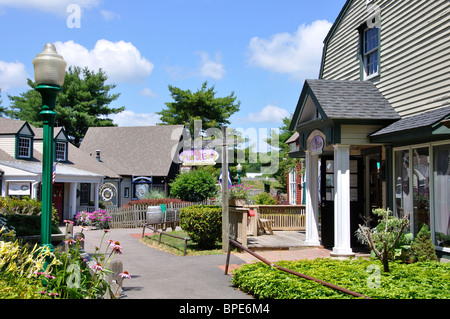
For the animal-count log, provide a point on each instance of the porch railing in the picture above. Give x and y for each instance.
(284, 217)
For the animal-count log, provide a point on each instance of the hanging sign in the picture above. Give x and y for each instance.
(317, 144)
(199, 157)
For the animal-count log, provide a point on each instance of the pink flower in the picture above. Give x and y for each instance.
(115, 246)
(124, 275)
(97, 266)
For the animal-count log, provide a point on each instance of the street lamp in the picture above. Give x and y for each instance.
(239, 171)
(49, 72)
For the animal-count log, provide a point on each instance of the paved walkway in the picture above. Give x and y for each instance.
(160, 275)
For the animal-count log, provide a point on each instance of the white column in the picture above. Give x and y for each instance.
(342, 201)
(73, 200)
(96, 189)
(311, 192)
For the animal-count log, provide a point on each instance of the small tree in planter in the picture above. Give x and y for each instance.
(383, 239)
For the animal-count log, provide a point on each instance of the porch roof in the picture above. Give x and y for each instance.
(340, 108)
(429, 125)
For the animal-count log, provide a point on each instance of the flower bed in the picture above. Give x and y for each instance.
(99, 219)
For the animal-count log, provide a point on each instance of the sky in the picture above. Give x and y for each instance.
(262, 50)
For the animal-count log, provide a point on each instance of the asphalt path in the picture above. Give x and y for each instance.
(160, 275)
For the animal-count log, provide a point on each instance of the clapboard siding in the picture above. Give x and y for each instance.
(8, 144)
(414, 52)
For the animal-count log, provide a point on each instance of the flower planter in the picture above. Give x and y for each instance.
(237, 202)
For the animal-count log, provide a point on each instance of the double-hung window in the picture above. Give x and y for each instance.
(24, 147)
(371, 52)
(61, 151)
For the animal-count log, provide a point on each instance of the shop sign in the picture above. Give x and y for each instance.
(317, 144)
(199, 157)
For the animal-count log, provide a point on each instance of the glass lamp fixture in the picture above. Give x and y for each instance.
(49, 67)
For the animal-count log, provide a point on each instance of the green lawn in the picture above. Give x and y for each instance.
(176, 246)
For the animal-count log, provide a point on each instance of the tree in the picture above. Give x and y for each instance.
(83, 102)
(383, 239)
(194, 186)
(286, 163)
(422, 248)
(202, 105)
(2, 109)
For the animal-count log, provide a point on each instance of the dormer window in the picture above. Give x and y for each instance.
(24, 147)
(61, 151)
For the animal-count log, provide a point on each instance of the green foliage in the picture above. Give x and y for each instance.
(83, 102)
(386, 238)
(202, 105)
(25, 215)
(422, 248)
(239, 190)
(264, 199)
(22, 269)
(423, 280)
(193, 186)
(154, 194)
(286, 163)
(203, 223)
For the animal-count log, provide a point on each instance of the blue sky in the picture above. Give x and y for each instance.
(260, 50)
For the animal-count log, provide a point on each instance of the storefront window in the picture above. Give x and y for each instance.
(441, 195)
(421, 188)
(403, 202)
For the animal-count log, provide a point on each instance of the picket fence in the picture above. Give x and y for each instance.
(136, 216)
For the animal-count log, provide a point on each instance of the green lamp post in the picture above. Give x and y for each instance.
(49, 73)
(239, 171)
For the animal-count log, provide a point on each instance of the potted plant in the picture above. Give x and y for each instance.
(238, 194)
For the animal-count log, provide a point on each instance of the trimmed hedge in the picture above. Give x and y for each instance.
(203, 223)
(422, 280)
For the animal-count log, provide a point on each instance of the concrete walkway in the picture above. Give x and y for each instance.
(159, 275)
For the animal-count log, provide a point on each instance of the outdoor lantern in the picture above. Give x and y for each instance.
(49, 73)
(49, 67)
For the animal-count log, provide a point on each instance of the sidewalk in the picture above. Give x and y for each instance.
(159, 275)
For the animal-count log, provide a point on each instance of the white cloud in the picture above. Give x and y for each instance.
(52, 6)
(121, 60)
(148, 92)
(211, 68)
(130, 118)
(269, 114)
(208, 68)
(109, 15)
(12, 75)
(297, 54)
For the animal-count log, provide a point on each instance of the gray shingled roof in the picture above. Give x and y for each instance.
(416, 121)
(135, 150)
(351, 100)
(10, 126)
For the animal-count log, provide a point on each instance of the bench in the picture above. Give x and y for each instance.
(265, 225)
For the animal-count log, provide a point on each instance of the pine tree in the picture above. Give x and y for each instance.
(422, 248)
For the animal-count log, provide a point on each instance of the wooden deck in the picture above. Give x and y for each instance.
(280, 240)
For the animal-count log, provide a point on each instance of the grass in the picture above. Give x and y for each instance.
(175, 246)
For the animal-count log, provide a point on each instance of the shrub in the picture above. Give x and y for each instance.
(422, 248)
(24, 215)
(423, 280)
(194, 186)
(203, 223)
(264, 199)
